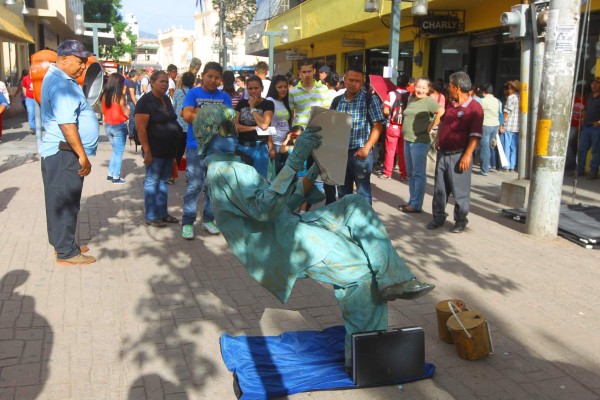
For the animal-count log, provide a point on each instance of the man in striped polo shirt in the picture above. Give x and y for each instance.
(307, 93)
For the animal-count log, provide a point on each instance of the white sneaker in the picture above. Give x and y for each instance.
(210, 227)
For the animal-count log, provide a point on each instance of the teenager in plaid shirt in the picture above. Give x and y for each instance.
(367, 124)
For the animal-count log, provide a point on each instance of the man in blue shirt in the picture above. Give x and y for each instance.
(195, 99)
(71, 135)
(367, 124)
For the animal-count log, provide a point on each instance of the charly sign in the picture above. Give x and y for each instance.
(439, 24)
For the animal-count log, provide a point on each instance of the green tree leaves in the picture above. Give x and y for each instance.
(108, 11)
(238, 14)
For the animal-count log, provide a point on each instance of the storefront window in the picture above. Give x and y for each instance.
(355, 58)
(378, 58)
(450, 55)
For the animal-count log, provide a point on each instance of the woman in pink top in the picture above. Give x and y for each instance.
(116, 112)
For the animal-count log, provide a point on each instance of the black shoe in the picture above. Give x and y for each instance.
(435, 224)
(459, 227)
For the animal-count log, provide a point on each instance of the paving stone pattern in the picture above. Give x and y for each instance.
(144, 321)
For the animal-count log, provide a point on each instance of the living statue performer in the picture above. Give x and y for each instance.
(344, 244)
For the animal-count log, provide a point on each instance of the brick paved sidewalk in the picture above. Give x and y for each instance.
(144, 321)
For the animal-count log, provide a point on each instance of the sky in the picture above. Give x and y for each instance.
(155, 15)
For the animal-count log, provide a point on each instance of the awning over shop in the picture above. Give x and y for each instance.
(12, 27)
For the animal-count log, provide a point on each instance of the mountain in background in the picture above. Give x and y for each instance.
(147, 35)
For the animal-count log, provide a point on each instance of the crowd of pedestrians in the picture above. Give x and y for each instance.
(459, 122)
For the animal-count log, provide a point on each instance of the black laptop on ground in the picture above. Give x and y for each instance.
(382, 358)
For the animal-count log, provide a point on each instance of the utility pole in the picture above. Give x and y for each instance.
(222, 35)
(537, 8)
(553, 123)
(394, 40)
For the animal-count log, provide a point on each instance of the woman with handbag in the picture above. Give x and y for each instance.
(159, 134)
(116, 117)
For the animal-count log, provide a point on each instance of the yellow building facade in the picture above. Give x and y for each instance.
(339, 32)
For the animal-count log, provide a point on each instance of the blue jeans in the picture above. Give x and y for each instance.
(196, 175)
(131, 126)
(415, 157)
(257, 156)
(510, 142)
(590, 138)
(117, 136)
(494, 158)
(484, 145)
(30, 105)
(155, 188)
(358, 172)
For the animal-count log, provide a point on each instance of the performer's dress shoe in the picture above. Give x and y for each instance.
(408, 290)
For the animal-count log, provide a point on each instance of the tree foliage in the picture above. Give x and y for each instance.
(109, 11)
(238, 14)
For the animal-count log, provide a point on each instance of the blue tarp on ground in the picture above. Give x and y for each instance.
(294, 362)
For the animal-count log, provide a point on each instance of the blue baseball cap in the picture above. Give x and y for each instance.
(73, 48)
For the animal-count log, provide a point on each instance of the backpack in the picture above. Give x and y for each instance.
(368, 98)
(398, 107)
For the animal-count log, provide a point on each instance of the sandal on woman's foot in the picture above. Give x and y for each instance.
(156, 223)
(169, 219)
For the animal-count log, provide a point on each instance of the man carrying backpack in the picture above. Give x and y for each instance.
(393, 108)
(367, 124)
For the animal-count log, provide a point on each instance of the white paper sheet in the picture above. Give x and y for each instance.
(332, 155)
(270, 131)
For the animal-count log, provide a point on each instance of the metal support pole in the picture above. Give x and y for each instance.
(523, 160)
(552, 133)
(95, 26)
(394, 40)
(536, 82)
(271, 53)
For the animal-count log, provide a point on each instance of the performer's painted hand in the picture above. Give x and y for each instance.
(309, 139)
(312, 174)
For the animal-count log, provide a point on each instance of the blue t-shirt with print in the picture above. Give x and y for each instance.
(198, 97)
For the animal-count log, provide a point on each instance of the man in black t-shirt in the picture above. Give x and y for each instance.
(132, 92)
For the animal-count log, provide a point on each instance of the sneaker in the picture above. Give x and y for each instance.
(459, 227)
(435, 224)
(384, 177)
(109, 178)
(210, 227)
(79, 259)
(187, 232)
(118, 181)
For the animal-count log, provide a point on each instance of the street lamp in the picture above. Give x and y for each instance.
(283, 33)
(80, 24)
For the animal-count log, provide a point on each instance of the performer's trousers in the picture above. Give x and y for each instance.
(361, 263)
